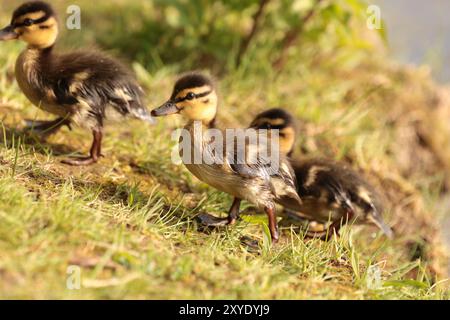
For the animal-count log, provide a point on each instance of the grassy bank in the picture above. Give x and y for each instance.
(127, 224)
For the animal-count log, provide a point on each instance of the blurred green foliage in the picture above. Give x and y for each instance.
(208, 33)
(191, 34)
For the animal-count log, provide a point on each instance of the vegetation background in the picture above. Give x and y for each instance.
(127, 225)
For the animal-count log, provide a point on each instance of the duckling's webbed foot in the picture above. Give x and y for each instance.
(46, 128)
(209, 220)
(86, 161)
(95, 153)
(212, 221)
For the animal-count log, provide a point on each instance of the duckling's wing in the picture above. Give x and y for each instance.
(317, 178)
(344, 186)
(250, 161)
(368, 200)
(247, 159)
(284, 186)
(336, 190)
(364, 196)
(99, 81)
(62, 93)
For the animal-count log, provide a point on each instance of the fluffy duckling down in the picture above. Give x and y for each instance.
(194, 97)
(330, 191)
(81, 87)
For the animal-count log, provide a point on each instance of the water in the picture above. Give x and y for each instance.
(419, 32)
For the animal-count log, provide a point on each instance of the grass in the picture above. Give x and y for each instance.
(127, 225)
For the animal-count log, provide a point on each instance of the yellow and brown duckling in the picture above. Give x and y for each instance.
(81, 87)
(329, 191)
(194, 97)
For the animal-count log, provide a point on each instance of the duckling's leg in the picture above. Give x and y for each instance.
(273, 226)
(233, 214)
(95, 153)
(212, 221)
(47, 127)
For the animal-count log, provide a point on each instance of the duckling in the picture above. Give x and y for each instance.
(194, 97)
(330, 191)
(80, 87)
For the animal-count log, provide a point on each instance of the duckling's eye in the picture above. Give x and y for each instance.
(190, 96)
(28, 22)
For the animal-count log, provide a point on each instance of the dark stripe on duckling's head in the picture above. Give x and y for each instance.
(32, 7)
(194, 97)
(281, 120)
(191, 81)
(271, 118)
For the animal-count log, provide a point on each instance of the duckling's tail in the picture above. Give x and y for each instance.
(375, 218)
(143, 114)
(290, 200)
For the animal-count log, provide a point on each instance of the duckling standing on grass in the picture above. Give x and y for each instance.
(82, 87)
(330, 191)
(195, 98)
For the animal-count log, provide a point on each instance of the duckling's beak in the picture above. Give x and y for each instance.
(378, 221)
(166, 109)
(8, 34)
